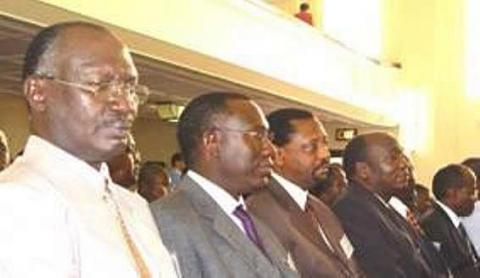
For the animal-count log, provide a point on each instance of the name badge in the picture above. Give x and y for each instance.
(346, 246)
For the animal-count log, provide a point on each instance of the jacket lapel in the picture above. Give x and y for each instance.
(224, 227)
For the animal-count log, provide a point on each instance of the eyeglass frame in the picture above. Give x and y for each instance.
(89, 88)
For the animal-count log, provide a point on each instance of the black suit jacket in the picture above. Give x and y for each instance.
(384, 247)
(453, 247)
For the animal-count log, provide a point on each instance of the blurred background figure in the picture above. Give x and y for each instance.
(304, 15)
(423, 201)
(472, 222)
(330, 189)
(124, 167)
(178, 168)
(4, 151)
(153, 181)
(454, 190)
(474, 164)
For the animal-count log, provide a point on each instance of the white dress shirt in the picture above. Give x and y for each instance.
(56, 222)
(300, 196)
(225, 201)
(398, 206)
(472, 225)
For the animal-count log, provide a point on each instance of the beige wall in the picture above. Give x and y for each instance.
(430, 36)
(14, 121)
(156, 139)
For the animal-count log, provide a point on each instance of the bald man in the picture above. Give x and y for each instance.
(62, 216)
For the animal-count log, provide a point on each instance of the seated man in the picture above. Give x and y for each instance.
(386, 246)
(453, 187)
(472, 222)
(423, 201)
(178, 168)
(330, 189)
(4, 151)
(224, 138)
(153, 181)
(124, 166)
(62, 216)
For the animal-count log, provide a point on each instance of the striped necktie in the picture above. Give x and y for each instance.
(140, 264)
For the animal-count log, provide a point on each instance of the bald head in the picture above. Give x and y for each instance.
(377, 162)
(77, 80)
(42, 48)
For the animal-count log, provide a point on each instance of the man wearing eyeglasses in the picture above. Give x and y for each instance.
(62, 216)
(305, 225)
(224, 140)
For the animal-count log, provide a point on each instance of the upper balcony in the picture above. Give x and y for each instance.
(244, 41)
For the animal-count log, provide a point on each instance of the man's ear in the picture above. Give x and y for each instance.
(279, 158)
(362, 171)
(210, 140)
(35, 93)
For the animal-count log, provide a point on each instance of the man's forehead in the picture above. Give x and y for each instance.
(310, 126)
(86, 48)
(383, 146)
(246, 112)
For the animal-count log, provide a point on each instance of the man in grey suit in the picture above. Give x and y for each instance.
(303, 223)
(225, 142)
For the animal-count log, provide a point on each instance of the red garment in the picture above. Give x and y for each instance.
(305, 16)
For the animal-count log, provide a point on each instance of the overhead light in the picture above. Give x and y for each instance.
(169, 111)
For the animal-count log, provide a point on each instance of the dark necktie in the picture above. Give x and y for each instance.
(412, 220)
(248, 226)
(466, 238)
(316, 223)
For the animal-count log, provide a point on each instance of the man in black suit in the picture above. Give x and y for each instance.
(453, 187)
(376, 167)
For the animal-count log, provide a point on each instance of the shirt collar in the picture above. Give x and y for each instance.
(451, 214)
(226, 201)
(59, 162)
(398, 206)
(296, 192)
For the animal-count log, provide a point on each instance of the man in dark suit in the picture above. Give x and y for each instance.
(453, 187)
(224, 139)
(304, 224)
(376, 167)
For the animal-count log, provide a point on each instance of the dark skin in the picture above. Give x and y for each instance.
(304, 159)
(157, 187)
(232, 154)
(337, 184)
(4, 154)
(93, 128)
(461, 198)
(386, 169)
(121, 169)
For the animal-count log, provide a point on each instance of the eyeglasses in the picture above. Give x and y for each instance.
(259, 134)
(137, 93)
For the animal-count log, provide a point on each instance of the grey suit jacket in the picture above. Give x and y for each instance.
(207, 243)
(300, 235)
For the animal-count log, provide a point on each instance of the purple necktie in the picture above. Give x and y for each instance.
(249, 227)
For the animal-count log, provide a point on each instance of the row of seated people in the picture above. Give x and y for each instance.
(244, 207)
